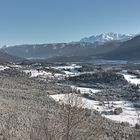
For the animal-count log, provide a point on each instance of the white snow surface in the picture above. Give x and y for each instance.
(70, 67)
(70, 70)
(16, 66)
(129, 113)
(86, 90)
(43, 74)
(132, 79)
(3, 68)
(35, 73)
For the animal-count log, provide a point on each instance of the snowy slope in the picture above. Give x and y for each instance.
(132, 79)
(3, 67)
(129, 114)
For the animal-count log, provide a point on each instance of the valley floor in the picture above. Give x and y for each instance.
(27, 90)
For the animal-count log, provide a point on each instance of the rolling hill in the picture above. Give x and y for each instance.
(129, 50)
(79, 51)
(49, 51)
(7, 58)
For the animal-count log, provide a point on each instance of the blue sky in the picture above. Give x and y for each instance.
(48, 21)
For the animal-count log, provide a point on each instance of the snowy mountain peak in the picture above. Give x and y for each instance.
(108, 37)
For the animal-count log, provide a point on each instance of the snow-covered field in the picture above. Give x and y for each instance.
(15, 66)
(86, 90)
(70, 67)
(70, 70)
(3, 68)
(35, 73)
(132, 79)
(129, 113)
(43, 74)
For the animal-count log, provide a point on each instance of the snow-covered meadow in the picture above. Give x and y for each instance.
(68, 71)
(43, 74)
(3, 68)
(35, 73)
(132, 79)
(129, 113)
(71, 67)
(85, 90)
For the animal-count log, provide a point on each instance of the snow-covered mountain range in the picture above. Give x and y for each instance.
(107, 37)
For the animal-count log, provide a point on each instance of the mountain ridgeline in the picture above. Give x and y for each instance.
(48, 51)
(108, 37)
(129, 50)
(7, 58)
(79, 51)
